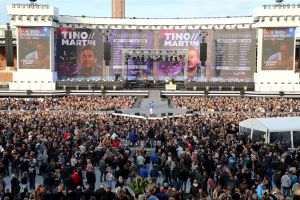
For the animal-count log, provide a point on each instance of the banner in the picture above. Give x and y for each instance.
(278, 48)
(176, 66)
(157, 54)
(34, 47)
(234, 55)
(79, 53)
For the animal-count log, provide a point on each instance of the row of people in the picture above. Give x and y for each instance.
(82, 103)
(234, 104)
(206, 104)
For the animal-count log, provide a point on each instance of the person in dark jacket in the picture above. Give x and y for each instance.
(101, 192)
(133, 137)
(194, 188)
(109, 194)
(15, 186)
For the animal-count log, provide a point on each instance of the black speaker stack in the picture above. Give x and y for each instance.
(203, 53)
(9, 47)
(107, 54)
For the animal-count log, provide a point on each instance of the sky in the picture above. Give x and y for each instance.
(151, 8)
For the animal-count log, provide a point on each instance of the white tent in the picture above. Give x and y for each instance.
(273, 129)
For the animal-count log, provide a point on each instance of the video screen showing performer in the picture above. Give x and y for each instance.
(79, 53)
(87, 63)
(278, 49)
(34, 48)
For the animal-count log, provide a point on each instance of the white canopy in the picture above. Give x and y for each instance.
(278, 124)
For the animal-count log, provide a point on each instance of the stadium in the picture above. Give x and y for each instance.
(149, 108)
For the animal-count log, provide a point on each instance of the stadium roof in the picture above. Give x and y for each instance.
(278, 124)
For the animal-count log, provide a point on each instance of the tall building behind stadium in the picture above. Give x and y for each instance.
(118, 8)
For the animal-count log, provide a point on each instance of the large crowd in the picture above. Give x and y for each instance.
(202, 156)
(237, 104)
(74, 103)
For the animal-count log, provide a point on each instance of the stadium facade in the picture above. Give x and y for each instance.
(260, 50)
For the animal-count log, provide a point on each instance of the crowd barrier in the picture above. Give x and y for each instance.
(219, 86)
(31, 93)
(89, 84)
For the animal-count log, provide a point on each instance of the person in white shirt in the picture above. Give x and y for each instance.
(37, 59)
(179, 150)
(282, 59)
(286, 184)
(140, 160)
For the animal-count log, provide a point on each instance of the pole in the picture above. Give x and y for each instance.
(127, 70)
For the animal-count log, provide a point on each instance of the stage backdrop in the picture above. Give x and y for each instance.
(234, 55)
(230, 55)
(152, 67)
(179, 66)
(79, 53)
(278, 48)
(34, 47)
(137, 66)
